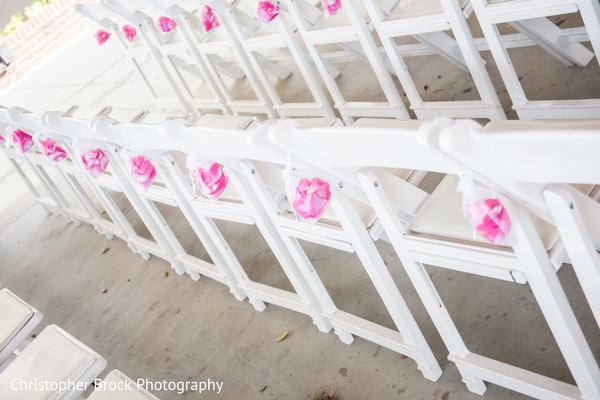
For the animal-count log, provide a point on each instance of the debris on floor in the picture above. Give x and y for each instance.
(281, 337)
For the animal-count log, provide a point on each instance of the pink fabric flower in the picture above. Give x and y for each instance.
(22, 140)
(95, 161)
(491, 219)
(51, 150)
(266, 11)
(166, 24)
(129, 32)
(211, 180)
(332, 6)
(209, 19)
(143, 171)
(102, 36)
(312, 198)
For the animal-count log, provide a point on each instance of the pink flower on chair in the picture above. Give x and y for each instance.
(332, 6)
(51, 150)
(129, 32)
(491, 219)
(102, 36)
(95, 161)
(211, 180)
(312, 198)
(22, 140)
(143, 171)
(266, 11)
(166, 24)
(209, 19)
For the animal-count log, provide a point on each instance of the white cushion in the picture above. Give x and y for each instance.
(54, 356)
(518, 125)
(117, 386)
(14, 314)
(387, 123)
(442, 216)
(224, 121)
(418, 8)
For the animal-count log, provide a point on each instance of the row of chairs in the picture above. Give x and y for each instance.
(372, 170)
(303, 36)
(53, 365)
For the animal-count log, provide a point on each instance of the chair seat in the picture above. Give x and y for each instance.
(14, 315)
(387, 123)
(518, 125)
(117, 386)
(54, 356)
(442, 216)
(418, 8)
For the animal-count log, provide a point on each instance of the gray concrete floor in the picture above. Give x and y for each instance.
(179, 330)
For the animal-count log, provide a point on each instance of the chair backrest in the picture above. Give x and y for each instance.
(67, 365)
(523, 158)
(343, 151)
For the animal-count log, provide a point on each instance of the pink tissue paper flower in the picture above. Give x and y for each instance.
(211, 180)
(209, 19)
(129, 32)
(491, 219)
(95, 161)
(51, 150)
(143, 171)
(312, 198)
(266, 11)
(102, 36)
(332, 6)
(166, 24)
(22, 140)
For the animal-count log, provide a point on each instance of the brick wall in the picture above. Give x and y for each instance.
(39, 37)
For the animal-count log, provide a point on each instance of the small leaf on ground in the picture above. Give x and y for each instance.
(166, 275)
(281, 337)
(105, 250)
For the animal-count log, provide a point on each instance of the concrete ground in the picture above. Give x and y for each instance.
(176, 329)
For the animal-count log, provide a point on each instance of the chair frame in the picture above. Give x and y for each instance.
(529, 263)
(529, 17)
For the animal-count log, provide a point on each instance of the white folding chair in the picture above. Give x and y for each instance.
(238, 204)
(344, 229)
(55, 365)
(48, 202)
(260, 45)
(70, 174)
(146, 139)
(17, 320)
(529, 17)
(545, 185)
(218, 51)
(117, 386)
(426, 21)
(138, 52)
(52, 176)
(118, 178)
(435, 232)
(348, 30)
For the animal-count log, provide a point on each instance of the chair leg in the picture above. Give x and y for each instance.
(387, 289)
(287, 250)
(554, 304)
